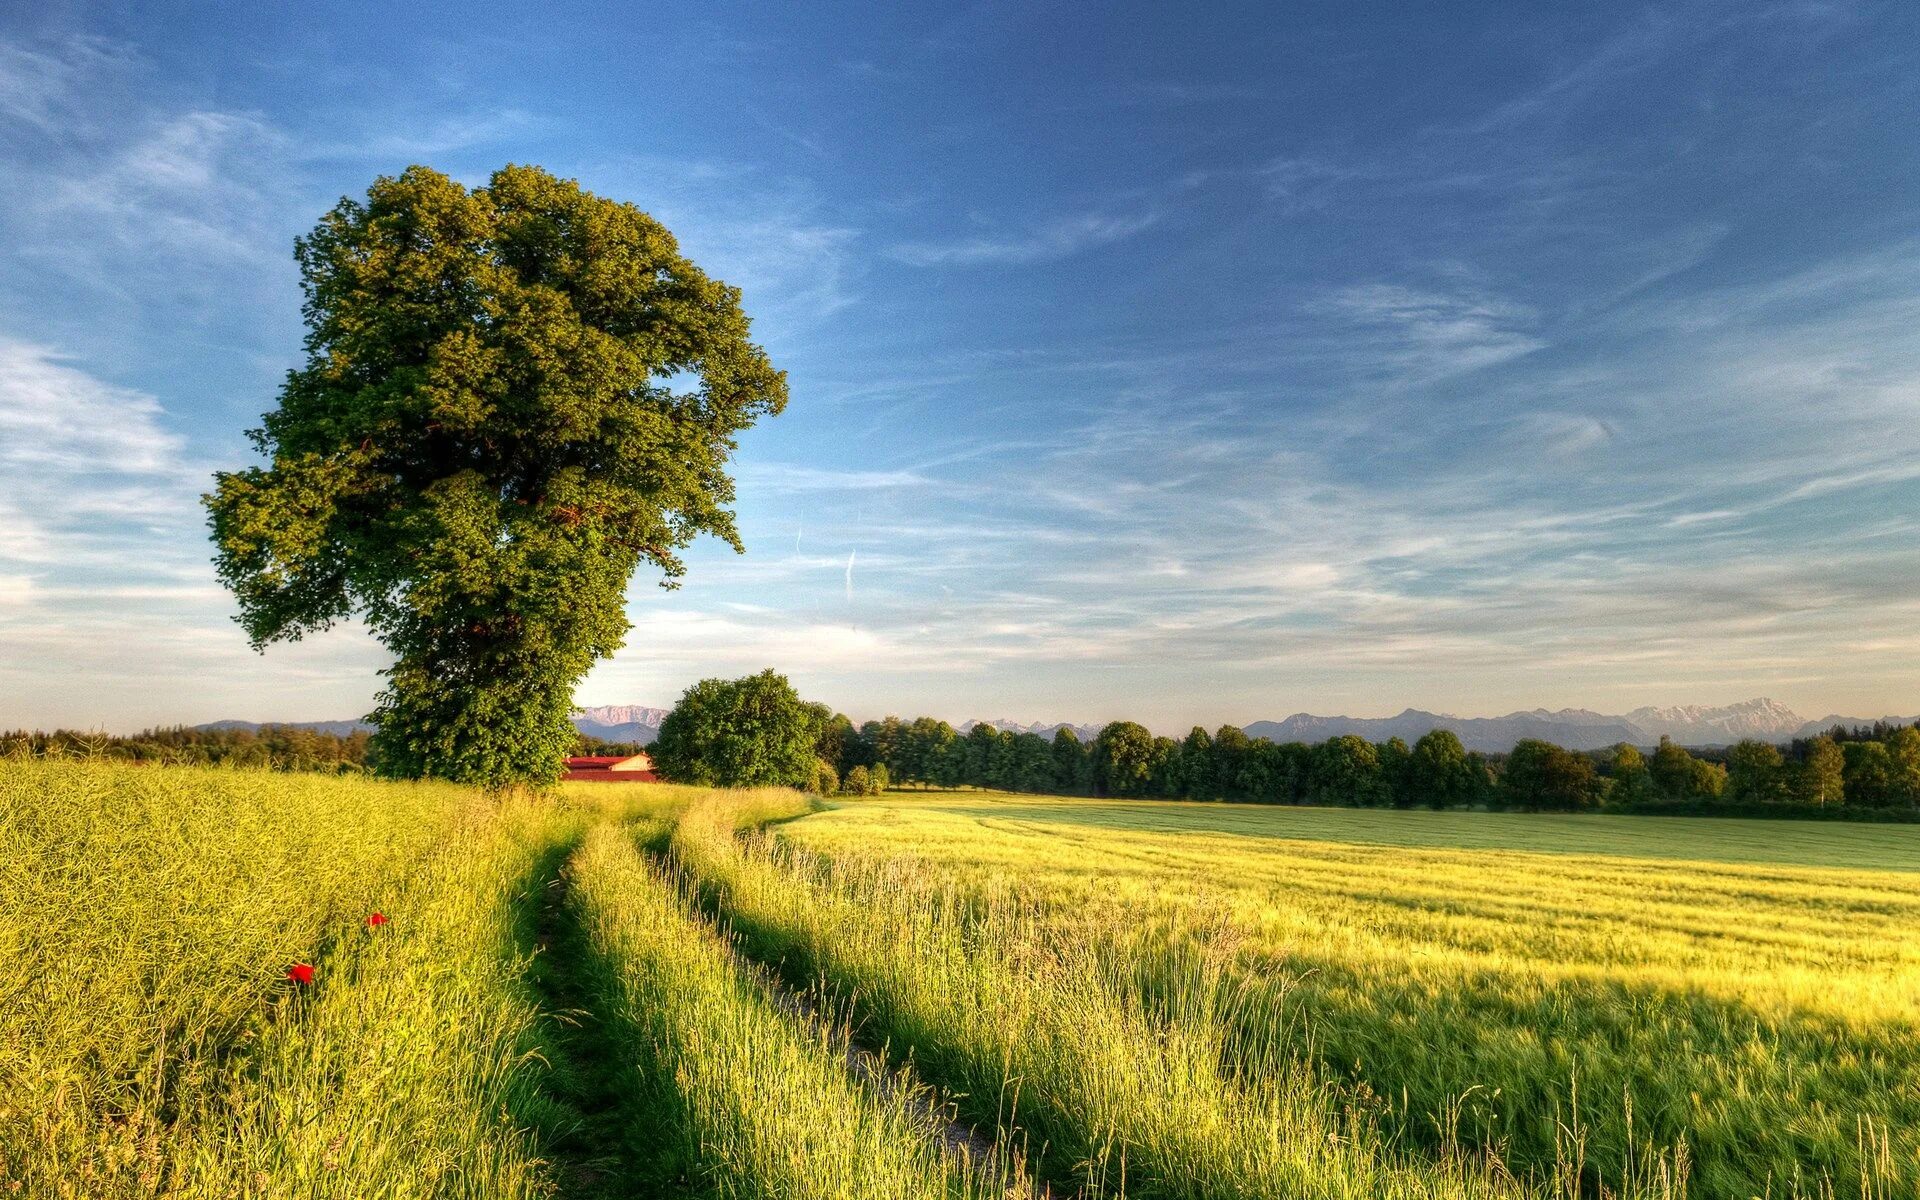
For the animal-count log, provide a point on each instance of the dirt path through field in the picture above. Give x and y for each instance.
(609, 1152)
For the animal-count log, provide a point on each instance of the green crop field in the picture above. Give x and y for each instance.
(658, 991)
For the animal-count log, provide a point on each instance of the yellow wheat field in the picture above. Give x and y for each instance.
(1763, 1014)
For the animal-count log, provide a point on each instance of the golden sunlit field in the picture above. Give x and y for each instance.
(647, 990)
(1723, 986)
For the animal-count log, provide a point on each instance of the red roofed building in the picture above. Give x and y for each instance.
(602, 769)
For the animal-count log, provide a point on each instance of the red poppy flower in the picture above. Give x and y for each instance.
(300, 973)
(376, 920)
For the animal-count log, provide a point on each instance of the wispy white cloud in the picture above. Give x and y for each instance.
(1422, 335)
(425, 137)
(109, 610)
(138, 205)
(58, 421)
(779, 477)
(38, 84)
(1644, 42)
(1047, 242)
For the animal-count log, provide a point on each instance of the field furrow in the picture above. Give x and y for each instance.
(765, 1101)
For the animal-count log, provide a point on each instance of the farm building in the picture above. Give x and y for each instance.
(636, 768)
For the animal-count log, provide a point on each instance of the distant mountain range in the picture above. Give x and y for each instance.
(1574, 728)
(621, 722)
(1085, 733)
(336, 728)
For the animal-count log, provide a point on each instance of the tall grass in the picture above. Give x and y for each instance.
(147, 918)
(418, 1066)
(1036, 1035)
(1760, 1020)
(766, 1102)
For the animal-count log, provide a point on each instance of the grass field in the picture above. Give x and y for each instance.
(1714, 990)
(616, 992)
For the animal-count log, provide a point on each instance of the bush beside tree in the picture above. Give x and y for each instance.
(751, 732)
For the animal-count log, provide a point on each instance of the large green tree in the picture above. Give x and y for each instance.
(751, 732)
(513, 396)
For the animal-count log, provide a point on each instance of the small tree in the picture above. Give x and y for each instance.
(1628, 770)
(1396, 772)
(1196, 764)
(984, 751)
(925, 744)
(751, 732)
(1256, 780)
(1164, 768)
(481, 449)
(1755, 773)
(1123, 757)
(1680, 776)
(1480, 772)
(1671, 770)
(1072, 769)
(1029, 763)
(1868, 773)
(882, 742)
(1345, 770)
(837, 736)
(1819, 779)
(1231, 747)
(1292, 762)
(826, 781)
(1903, 753)
(1438, 770)
(1543, 776)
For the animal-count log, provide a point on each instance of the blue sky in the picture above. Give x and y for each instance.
(1188, 366)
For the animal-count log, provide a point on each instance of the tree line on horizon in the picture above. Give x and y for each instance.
(277, 747)
(274, 747)
(758, 731)
(1875, 770)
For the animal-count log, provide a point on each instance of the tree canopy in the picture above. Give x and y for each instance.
(1123, 759)
(512, 397)
(1439, 770)
(1541, 775)
(751, 732)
